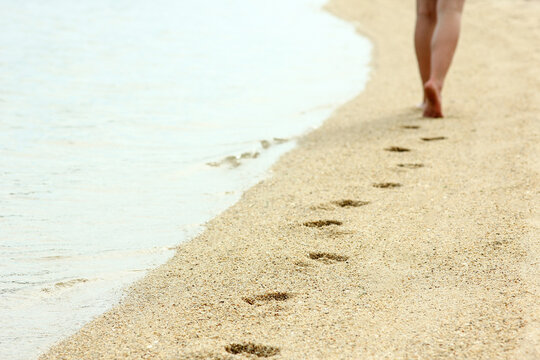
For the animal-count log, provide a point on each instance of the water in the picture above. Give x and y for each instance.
(125, 125)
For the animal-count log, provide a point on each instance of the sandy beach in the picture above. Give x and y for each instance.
(382, 235)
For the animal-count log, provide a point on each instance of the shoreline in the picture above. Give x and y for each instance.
(444, 265)
(184, 160)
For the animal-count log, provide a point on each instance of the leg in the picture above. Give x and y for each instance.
(426, 19)
(443, 46)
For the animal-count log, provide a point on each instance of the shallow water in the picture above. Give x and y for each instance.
(125, 125)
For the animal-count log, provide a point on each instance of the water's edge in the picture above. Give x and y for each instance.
(268, 153)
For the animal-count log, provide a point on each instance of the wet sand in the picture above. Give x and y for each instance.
(356, 248)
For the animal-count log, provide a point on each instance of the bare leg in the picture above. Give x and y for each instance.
(426, 19)
(443, 46)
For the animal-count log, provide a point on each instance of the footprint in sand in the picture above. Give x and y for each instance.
(322, 223)
(264, 298)
(411, 166)
(387, 185)
(327, 258)
(350, 203)
(434, 138)
(252, 349)
(397, 149)
(345, 203)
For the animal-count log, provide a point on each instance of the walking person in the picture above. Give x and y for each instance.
(436, 36)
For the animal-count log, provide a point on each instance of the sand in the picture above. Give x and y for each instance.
(439, 260)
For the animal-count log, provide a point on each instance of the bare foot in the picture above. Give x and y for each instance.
(433, 107)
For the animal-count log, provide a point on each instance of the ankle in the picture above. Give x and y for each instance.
(437, 84)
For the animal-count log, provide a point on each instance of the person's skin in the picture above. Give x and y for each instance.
(435, 39)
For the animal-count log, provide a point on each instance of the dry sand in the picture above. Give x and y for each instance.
(444, 266)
